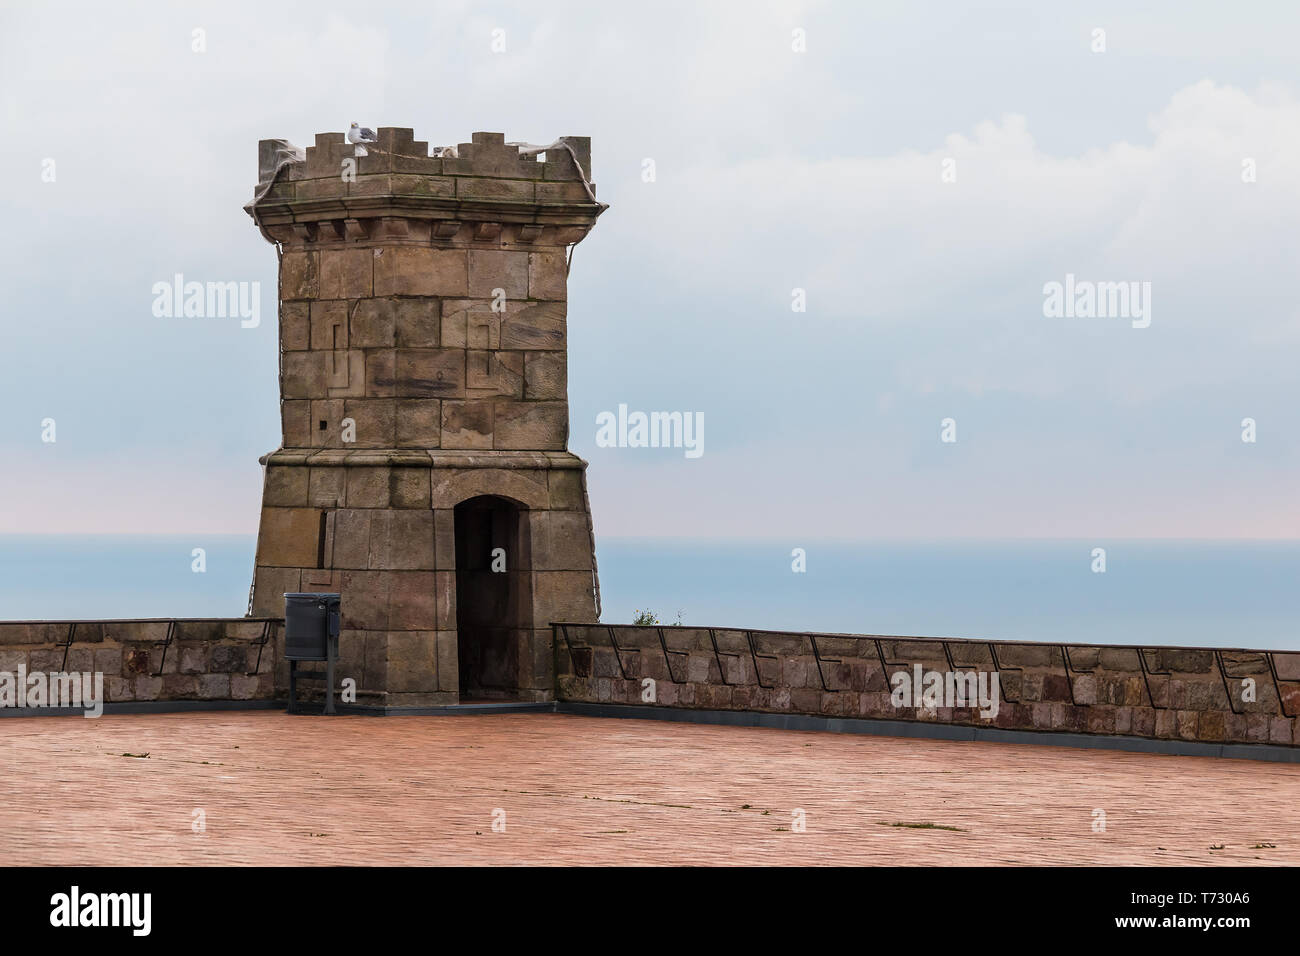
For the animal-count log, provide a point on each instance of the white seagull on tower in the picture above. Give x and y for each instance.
(361, 134)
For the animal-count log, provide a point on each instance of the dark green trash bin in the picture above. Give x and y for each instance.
(311, 633)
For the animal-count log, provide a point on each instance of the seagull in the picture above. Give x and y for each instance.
(361, 134)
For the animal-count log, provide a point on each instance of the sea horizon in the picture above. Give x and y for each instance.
(1156, 592)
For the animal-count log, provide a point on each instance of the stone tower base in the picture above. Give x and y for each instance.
(404, 536)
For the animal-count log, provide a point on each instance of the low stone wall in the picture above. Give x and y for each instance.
(151, 660)
(1208, 695)
(1190, 694)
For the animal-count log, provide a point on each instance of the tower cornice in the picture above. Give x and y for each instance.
(397, 193)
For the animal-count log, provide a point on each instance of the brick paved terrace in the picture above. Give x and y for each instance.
(277, 789)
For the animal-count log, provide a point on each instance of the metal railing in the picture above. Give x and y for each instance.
(1070, 669)
(269, 624)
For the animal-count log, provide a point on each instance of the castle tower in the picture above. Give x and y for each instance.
(424, 473)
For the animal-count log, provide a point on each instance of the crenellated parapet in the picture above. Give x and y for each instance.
(489, 192)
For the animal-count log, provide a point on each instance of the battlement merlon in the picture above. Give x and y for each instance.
(399, 193)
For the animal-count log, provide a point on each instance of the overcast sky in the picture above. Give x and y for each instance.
(775, 170)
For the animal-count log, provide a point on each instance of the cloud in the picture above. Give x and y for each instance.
(775, 170)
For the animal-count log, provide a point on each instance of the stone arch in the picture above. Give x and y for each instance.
(526, 489)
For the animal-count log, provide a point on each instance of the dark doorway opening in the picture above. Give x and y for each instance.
(493, 596)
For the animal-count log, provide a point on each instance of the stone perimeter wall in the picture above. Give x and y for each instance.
(1161, 693)
(205, 659)
(1154, 692)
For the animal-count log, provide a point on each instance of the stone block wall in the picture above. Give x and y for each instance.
(423, 338)
(207, 660)
(425, 298)
(1181, 694)
(389, 550)
(1164, 693)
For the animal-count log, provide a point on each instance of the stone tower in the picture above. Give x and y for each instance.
(424, 472)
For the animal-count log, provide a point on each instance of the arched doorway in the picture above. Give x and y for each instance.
(493, 596)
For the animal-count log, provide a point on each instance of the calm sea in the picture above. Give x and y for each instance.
(1242, 594)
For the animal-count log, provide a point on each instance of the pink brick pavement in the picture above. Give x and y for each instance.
(422, 790)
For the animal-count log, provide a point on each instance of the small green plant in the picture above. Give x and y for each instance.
(648, 617)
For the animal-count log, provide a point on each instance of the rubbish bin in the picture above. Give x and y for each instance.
(311, 633)
(311, 624)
